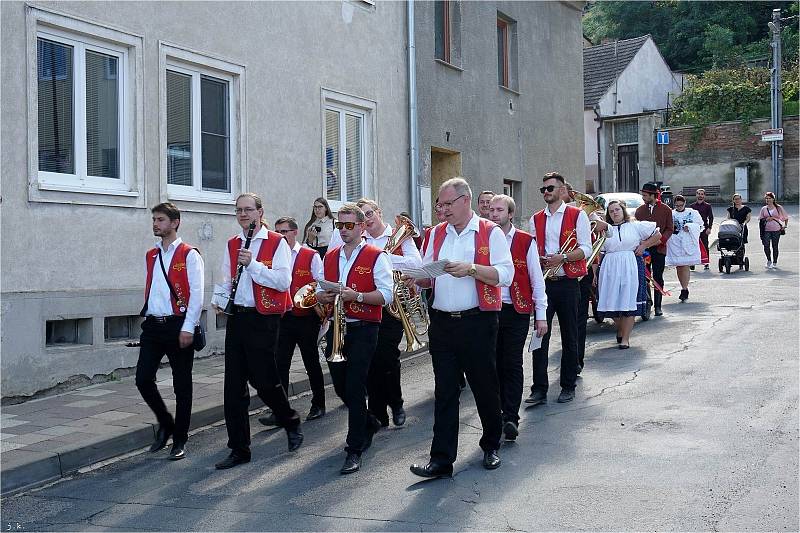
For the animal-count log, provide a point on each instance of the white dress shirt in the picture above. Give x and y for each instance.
(279, 277)
(535, 274)
(552, 237)
(316, 263)
(410, 257)
(159, 301)
(459, 294)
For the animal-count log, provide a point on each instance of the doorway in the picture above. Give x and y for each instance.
(628, 168)
(445, 164)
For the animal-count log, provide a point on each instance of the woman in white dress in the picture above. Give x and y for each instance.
(621, 285)
(683, 248)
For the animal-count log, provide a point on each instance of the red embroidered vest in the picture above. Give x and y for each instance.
(301, 275)
(177, 274)
(569, 221)
(521, 290)
(361, 278)
(488, 297)
(268, 301)
(427, 240)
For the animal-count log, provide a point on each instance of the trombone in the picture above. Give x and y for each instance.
(588, 205)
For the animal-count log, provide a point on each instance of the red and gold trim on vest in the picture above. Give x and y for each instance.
(268, 301)
(301, 275)
(521, 290)
(572, 269)
(361, 278)
(489, 298)
(177, 274)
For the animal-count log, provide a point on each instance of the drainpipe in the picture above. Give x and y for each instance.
(416, 211)
(599, 121)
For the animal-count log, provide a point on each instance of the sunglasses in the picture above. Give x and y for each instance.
(549, 188)
(346, 225)
(284, 231)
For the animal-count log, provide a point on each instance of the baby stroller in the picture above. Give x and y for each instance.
(731, 246)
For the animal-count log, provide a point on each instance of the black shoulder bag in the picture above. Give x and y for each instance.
(199, 341)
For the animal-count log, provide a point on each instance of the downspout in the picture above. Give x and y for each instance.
(599, 121)
(416, 212)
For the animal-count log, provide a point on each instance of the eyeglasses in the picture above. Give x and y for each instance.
(549, 188)
(284, 231)
(369, 214)
(448, 205)
(346, 225)
(248, 210)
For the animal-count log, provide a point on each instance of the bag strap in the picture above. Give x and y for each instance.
(166, 278)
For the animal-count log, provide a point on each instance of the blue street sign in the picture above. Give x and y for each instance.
(663, 137)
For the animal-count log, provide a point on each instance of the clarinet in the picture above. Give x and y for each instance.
(235, 282)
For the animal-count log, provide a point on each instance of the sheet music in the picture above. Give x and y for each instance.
(330, 286)
(429, 271)
(220, 297)
(536, 342)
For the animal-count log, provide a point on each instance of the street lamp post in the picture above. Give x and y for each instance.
(776, 101)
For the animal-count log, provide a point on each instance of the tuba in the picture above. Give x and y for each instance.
(306, 297)
(408, 306)
(588, 205)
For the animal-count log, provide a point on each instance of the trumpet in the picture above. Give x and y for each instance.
(589, 205)
(306, 297)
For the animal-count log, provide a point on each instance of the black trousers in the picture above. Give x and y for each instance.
(771, 238)
(511, 335)
(562, 300)
(350, 378)
(383, 382)
(704, 240)
(158, 340)
(301, 331)
(250, 343)
(467, 345)
(583, 313)
(657, 270)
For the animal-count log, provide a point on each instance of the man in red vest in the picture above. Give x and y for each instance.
(525, 297)
(484, 199)
(173, 301)
(560, 227)
(365, 275)
(300, 327)
(464, 321)
(251, 333)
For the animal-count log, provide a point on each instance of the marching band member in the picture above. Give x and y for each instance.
(383, 384)
(552, 227)
(172, 307)
(300, 327)
(251, 334)
(464, 321)
(654, 211)
(366, 274)
(525, 296)
(484, 200)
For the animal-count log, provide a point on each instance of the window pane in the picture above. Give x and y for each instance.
(332, 183)
(501, 56)
(626, 132)
(179, 129)
(214, 128)
(102, 115)
(439, 28)
(56, 146)
(353, 157)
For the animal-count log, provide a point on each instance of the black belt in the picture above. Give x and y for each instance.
(559, 278)
(164, 319)
(243, 309)
(456, 314)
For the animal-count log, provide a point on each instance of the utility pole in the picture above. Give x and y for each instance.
(776, 100)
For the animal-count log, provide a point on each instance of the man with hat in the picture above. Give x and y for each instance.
(654, 211)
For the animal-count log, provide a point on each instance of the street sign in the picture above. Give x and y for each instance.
(774, 134)
(662, 137)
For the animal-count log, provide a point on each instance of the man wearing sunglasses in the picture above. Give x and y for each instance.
(365, 274)
(300, 327)
(251, 333)
(552, 227)
(383, 384)
(464, 319)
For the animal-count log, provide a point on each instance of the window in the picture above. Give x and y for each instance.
(626, 132)
(508, 188)
(70, 331)
(82, 140)
(117, 328)
(344, 154)
(507, 52)
(442, 22)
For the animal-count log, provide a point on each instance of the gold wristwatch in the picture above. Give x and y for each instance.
(472, 270)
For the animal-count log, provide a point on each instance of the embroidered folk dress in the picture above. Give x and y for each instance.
(683, 248)
(619, 282)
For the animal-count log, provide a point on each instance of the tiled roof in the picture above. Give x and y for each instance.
(600, 67)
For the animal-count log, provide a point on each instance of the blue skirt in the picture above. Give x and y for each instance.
(641, 296)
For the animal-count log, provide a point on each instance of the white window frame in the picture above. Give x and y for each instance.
(80, 188)
(196, 65)
(365, 109)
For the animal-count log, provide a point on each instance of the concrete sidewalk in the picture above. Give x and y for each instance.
(49, 438)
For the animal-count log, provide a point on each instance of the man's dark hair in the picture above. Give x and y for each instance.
(169, 209)
(287, 220)
(554, 176)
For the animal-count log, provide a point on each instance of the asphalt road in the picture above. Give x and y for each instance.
(694, 428)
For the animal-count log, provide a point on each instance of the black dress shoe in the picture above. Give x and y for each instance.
(162, 436)
(510, 430)
(566, 396)
(398, 416)
(315, 412)
(231, 461)
(537, 397)
(431, 470)
(178, 451)
(684, 295)
(351, 463)
(295, 437)
(491, 460)
(623, 346)
(268, 420)
(658, 311)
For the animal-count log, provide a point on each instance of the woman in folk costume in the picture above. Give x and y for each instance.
(683, 249)
(622, 292)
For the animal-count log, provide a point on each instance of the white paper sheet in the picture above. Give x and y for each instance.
(220, 297)
(429, 271)
(330, 286)
(536, 342)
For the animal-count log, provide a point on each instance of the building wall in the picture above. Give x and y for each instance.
(68, 258)
(590, 125)
(503, 134)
